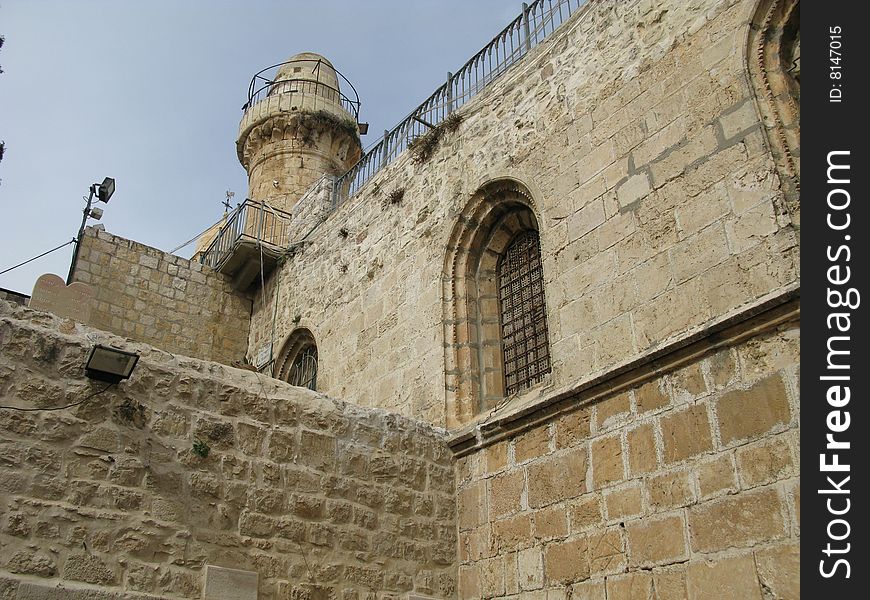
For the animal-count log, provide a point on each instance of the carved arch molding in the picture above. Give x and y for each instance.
(498, 216)
(774, 69)
(297, 361)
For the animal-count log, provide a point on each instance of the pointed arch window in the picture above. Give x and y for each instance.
(495, 327)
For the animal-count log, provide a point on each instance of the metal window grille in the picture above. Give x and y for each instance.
(523, 313)
(303, 372)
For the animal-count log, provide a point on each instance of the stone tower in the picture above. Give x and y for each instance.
(297, 128)
(298, 125)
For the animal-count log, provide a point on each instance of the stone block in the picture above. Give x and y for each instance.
(551, 522)
(670, 490)
(650, 396)
(730, 577)
(222, 583)
(573, 428)
(612, 410)
(736, 521)
(660, 141)
(88, 568)
(505, 493)
(716, 476)
(607, 464)
(532, 444)
(670, 583)
(635, 188)
(764, 462)
(530, 569)
(492, 577)
(642, 455)
(557, 478)
(685, 433)
(631, 586)
(622, 503)
(606, 552)
(589, 590)
(566, 562)
(779, 570)
(469, 582)
(656, 542)
(586, 219)
(512, 533)
(471, 505)
(585, 513)
(745, 414)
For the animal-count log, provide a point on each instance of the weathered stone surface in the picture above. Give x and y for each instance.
(686, 433)
(724, 578)
(736, 521)
(557, 478)
(128, 505)
(657, 542)
(756, 410)
(566, 561)
(161, 299)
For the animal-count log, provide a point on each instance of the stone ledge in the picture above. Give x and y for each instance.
(766, 313)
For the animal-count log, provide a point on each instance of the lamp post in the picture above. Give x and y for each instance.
(103, 191)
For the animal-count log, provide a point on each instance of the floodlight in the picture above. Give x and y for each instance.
(110, 364)
(96, 213)
(106, 189)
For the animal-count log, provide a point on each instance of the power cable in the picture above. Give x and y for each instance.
(85, 399)
(72, 241)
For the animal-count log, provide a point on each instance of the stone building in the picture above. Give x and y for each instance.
(549, 329)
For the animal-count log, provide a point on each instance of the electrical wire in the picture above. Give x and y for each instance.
(85, 399)
(72, 241)
(203, 232)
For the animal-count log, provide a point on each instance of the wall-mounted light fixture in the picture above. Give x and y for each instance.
(110, 364)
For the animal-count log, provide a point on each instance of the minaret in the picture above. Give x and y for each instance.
(297, 128)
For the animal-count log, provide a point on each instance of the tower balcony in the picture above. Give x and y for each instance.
(249, 243)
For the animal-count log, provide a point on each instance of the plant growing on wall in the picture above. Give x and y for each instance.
(422, 147)
(200, 448)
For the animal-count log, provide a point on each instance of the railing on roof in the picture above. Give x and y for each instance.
(537, 21)
(262, 85)
(252, 221)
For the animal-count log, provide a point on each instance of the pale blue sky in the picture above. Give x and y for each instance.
(150, 93)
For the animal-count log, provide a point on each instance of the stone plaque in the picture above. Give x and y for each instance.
(222, 583)
(73, 301)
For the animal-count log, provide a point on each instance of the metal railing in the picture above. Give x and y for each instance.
(536, 22)
(262, 86)
(252, 220)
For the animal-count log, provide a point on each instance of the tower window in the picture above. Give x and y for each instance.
(523, 313)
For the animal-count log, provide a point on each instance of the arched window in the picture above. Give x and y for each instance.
(495, 316)
(297, 361)
(774, 68)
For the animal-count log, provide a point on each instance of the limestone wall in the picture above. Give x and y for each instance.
(162, 299)
(636, 133)
(684, 487)
(322, 499)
